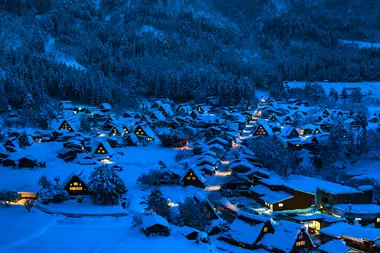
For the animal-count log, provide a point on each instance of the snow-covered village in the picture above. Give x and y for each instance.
(281, 175)
(181, 126)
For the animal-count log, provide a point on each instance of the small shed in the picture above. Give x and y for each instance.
(155, 225)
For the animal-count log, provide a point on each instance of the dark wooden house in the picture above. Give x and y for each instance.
(155, 225)
(76, 186)
(193, 177)
(102, 149)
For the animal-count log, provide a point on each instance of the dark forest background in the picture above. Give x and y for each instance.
(184, 49)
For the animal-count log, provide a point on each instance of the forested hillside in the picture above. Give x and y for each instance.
(185, 49)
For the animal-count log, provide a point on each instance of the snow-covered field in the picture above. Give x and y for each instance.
(363, 170)
(361, 44)
(374, 87)
(39, 232)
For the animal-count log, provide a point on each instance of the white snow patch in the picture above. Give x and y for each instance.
(67, 59)
(361, 44)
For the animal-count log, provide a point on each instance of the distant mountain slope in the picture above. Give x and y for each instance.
(185, 49)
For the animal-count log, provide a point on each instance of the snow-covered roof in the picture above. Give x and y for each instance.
(96, 142)
(265, 125)
(148, 131)
(334, 246)
(158, 115)
(251, 216)
(320, 216)
(205, 167)
(167, 108)
(284, 236)
(362, 209)
(310, 185)
(206, 158)
(235, 177)
(241, 163)
(105, 106)
(197, 173)
(269, 196)
(218, 140)
(154, 219)
(341, 230)
(243, 232)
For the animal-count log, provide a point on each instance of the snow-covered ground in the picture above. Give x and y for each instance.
(374, 87)
(365, 170)
(361, 44)
(67, 59)
(38, 232)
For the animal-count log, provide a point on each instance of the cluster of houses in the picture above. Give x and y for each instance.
(222, 162)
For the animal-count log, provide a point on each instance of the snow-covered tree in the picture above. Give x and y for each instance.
(274, 154)
(137, 220)
(50, 193)
(337, 136)
(106, 186)
(344, 94)
(44, 182)
(183, 154)
(24, 140)
(158, 204)
(193, 214)
(85, 124)
(334, 95)
(6, 196)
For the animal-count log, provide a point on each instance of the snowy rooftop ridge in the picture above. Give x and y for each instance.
(310, 185)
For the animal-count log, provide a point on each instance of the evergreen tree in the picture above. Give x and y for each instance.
(344, 94)
(192, 214)
(336, 136)
(24, 140)
(158, 204)
(106, 186)
(85, 124)
(7, 197)
(3, 98)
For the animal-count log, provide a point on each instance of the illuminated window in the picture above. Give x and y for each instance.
(77, 188)
(193, 178)
(271, 207)
(300, 243)
(265, 229)
(75, 183)
(378, 220)
(187, 178)
(280, 204)
(358, 219)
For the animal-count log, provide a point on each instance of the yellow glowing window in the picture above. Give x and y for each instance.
(280, 204)
(271, 207)
(75, 183)
(188, 178)
(378, 220)
(77, 188)
(358, 219)
(103, 151)
(265, 229)
(193, 178)
(300, 243)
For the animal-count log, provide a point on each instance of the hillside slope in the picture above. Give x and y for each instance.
(117, 50)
